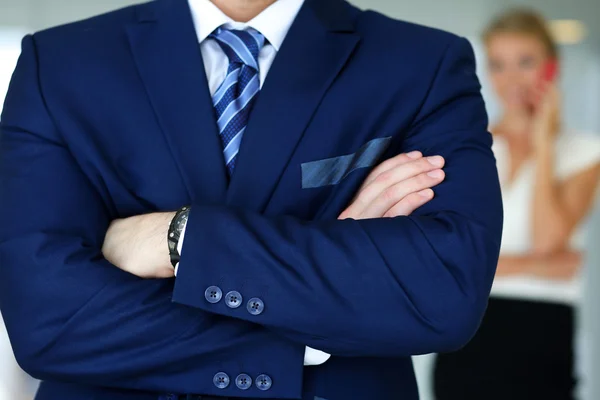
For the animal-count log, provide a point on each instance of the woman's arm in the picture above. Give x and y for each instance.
(559, 206)
(560, 266)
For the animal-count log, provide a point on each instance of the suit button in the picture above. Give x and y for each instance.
(264, 382)
(256, 306)
(243, 382)
(221, 380)
(213, 294)
(233, 299)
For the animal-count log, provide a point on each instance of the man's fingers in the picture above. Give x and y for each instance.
(406, 171)
(385, 166)
(392, 163)
(404, 207)
(395, 193)
(410, 203)
(391, 177)
(393, 180)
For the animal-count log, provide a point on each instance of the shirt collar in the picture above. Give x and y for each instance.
(273, 23)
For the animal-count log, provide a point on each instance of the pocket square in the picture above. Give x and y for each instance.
(331, 171)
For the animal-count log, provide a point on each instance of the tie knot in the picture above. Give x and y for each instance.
(241, 47)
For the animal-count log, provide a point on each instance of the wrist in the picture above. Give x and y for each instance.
(544, 152)
(543, 140)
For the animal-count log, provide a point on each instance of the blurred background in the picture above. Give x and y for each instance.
(575, 26)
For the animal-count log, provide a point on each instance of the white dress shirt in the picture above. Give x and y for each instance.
(273, 23)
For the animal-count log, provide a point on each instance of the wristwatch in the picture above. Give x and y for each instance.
(178, 222)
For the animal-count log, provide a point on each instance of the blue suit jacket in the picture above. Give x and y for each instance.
(111, 117)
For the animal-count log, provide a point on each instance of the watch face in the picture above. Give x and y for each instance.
(181, 222)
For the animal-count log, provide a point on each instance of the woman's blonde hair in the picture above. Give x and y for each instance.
(526, 22)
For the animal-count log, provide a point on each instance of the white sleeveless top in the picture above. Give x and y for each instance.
(575, 152)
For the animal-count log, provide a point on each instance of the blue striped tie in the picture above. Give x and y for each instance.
(235, 97)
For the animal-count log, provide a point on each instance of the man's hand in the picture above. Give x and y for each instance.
(138, 245)
(397, 187)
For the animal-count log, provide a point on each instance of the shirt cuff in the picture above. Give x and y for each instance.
(315, 357)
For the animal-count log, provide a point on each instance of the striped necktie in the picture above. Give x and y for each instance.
(237, 94)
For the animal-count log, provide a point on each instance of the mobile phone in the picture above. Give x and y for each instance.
(550, 71)
(548, 74)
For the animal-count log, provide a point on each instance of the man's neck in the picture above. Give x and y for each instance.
(242, 10)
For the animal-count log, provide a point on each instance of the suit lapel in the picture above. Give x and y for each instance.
(315, 50)
(167, 54)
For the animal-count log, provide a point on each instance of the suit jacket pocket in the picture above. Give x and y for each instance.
(331, 171)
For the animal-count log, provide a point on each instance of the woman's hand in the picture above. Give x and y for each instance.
(546, 114)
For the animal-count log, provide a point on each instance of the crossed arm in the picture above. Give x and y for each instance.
(422, 279)
(395, 188)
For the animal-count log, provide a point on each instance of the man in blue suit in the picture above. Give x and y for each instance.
(233, 199)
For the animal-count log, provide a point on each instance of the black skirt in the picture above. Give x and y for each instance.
(523, 350)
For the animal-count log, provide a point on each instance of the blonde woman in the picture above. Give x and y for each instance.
(549, 176)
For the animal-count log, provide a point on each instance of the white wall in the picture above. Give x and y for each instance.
(463, 16)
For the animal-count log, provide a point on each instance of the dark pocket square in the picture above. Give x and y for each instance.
(331, 171)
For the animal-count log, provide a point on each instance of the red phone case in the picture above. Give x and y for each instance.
(550, 71)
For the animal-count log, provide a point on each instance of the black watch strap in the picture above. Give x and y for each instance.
(175, 228)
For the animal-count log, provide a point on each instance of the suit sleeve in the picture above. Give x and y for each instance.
(379, 287)
(73, 317)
